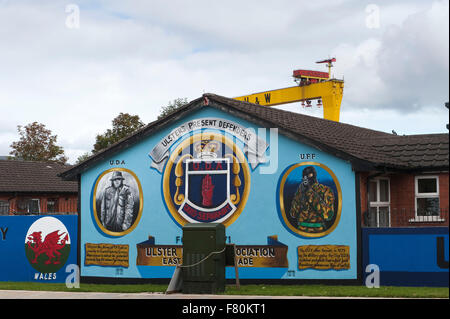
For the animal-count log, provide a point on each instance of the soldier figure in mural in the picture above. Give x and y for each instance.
(313, 203)
(116, 213)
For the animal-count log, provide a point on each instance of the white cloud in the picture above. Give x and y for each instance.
(135, 57)
(414, 59)
(405, 69)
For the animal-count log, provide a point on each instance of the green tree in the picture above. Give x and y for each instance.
(37, 143)
(172, 106)
(83, 157)
(122, 126)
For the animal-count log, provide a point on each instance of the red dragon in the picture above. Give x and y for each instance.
(49, 246)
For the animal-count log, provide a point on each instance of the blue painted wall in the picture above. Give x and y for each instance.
(14, 264)
(408, 256)
(259, 219)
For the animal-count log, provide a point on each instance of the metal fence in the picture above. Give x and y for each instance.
(404, 217)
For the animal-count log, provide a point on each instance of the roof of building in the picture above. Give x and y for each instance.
(376, 147)
(366, 149)
(33, 177)
(421, 151)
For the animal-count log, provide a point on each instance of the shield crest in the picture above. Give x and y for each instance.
(206, 180)
(207, 191)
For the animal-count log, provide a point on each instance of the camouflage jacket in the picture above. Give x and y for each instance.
(313, 207)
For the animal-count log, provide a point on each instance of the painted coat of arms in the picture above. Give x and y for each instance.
(206, 180)
(207, 194)
(205, 167)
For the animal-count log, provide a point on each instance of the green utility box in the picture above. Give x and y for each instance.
(203, 269)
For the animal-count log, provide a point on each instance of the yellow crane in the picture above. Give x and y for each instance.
(312, 85)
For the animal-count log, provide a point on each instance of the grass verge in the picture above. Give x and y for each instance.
(340, 291)
(259, 290)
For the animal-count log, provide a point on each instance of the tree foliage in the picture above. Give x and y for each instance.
(37, 143)
(83, 157)
(172, 106)
(122, 126)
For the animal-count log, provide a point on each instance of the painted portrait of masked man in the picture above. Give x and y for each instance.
(313, 204)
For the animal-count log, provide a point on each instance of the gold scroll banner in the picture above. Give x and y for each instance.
(159, 255)
(324, 257)
(261, 256)
(274, 255)
(107, 255)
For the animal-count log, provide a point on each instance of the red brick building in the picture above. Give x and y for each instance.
(28, 187)
(411, 188)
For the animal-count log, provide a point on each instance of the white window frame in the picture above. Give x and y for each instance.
(38, 205)
(379, 203)
(425, 219)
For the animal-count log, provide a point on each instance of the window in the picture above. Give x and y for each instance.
(379, 202)
(28, 205)
(52, 205)
(4, 207)
(427, 198)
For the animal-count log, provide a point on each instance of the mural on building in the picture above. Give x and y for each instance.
(212, 168)
(47, 245)
(206, 179)
(310, 199)
(36, 248)
(117, 201)
(274, 254)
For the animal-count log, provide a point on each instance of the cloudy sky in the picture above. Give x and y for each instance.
(75, 65)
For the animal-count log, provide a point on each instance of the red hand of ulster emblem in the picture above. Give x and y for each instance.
(207, 191)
